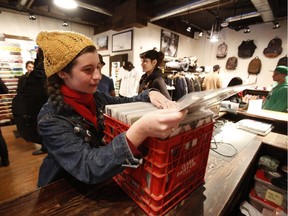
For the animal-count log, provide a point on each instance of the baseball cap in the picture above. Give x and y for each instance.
(101, 60)
(282, 69)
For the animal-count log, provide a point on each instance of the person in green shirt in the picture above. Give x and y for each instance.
(277, 97)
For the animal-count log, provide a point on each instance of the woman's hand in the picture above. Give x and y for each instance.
(159, 123)
(160, 101)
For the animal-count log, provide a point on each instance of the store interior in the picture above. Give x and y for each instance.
(233, 177)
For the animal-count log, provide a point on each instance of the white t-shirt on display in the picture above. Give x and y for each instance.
(129, 82)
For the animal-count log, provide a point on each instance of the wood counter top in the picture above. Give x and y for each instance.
(222, 183)
(266, 115)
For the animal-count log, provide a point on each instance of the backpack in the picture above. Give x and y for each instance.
(31, 96)
(246, 49)
(231, 63)
(282, 61)
(274, 48)
(222, 50)
(254, 66)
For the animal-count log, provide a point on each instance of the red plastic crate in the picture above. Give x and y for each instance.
(172, 168)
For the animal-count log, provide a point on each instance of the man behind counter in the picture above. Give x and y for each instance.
(277, 97)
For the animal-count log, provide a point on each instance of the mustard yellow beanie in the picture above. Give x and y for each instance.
(60, 48)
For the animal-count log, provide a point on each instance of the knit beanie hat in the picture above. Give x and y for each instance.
(60, 48)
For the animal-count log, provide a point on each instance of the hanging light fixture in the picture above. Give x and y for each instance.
(215, 31)
(66, 4)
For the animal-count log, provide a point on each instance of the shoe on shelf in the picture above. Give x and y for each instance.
(39, 151)
(4, 163)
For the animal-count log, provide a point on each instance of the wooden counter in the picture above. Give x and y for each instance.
(223, 182)
(266, 115)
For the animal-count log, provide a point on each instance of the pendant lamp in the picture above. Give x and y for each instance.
(215, 31)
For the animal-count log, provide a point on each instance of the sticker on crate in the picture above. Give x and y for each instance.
(187, 168)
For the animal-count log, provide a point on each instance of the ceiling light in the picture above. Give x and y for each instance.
(215, 31)
(65, 24)
(66, 4)
(200, 34)
(32, 17)
(188, 29)
(246, 30)
(276, 25)
(214, 38)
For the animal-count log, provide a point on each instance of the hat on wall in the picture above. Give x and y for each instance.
(101, 59)
(281, 69)
(60, 48)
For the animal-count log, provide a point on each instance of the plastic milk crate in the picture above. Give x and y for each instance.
(172, 168)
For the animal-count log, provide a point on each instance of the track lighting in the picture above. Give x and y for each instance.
(188, 29)
(200, 34)
(32, 17)
(65, 24)
(246, 30)
(276, 25)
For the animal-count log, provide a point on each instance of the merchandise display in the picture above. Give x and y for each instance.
(274, 48)
(231, 63)
(254, 66)
(267, 191)
(222, 50)
(282, 61)
(11, 64)
(246, 49)
(266, 197)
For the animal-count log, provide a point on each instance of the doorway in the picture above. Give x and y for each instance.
(116, 62)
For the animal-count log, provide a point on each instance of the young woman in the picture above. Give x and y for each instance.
(29, 65)
(71, 123)
(152, 78)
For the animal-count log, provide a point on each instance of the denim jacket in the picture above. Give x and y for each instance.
(75, 148)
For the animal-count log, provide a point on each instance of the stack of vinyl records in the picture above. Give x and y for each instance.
(129, 113)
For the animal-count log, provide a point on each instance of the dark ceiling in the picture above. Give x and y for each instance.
(175, 15)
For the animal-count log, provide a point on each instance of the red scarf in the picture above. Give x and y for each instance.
(82, 103)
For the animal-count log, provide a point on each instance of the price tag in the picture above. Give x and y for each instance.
(274, 197)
